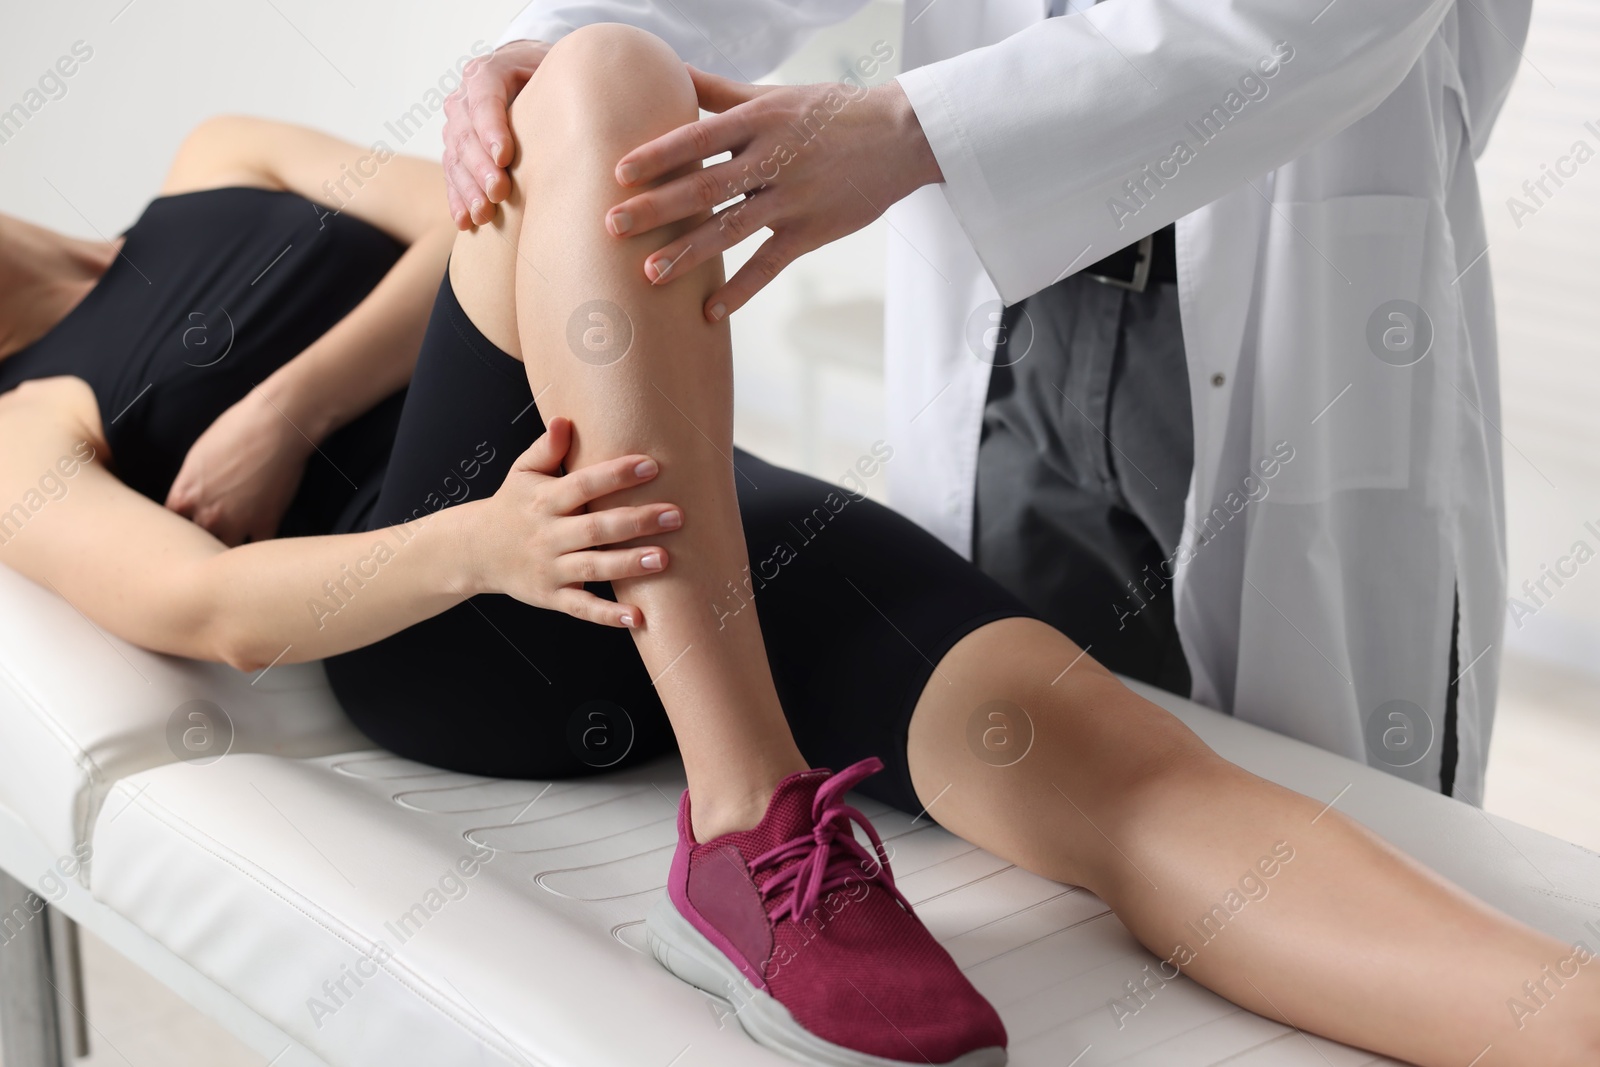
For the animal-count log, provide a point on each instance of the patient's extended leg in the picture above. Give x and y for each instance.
(1273, 899)
(638, 369)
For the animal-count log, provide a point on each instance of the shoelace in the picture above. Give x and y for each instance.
(830, 856)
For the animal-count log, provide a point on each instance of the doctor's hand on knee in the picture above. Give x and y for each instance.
(541, 537)
(478, 143)
(812, 162)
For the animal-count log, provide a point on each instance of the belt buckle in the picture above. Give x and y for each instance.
(1141, 269)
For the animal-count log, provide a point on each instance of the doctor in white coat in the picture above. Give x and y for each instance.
(1333, 281)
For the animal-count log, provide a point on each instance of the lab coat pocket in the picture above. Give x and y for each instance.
(1342, 337)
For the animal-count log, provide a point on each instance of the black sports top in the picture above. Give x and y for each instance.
(212, 292)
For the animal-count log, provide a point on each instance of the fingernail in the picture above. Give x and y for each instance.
(646, 469)
(627, 173)
(621, 223)
(717, 311)
(477, 206)
(651, 562)
(494, 151)
(627, 620)
(658, 268)
(489, 179)
(671, 520)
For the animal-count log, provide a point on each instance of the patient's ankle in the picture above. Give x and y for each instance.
(717, 812)
(733, 774)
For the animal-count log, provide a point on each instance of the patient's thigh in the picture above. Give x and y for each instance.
(468, 415)
(496, 687)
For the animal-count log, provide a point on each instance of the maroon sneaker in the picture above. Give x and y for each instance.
(803, 932)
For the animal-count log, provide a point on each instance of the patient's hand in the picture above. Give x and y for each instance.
(544, 534)
(478, 144)
(241, 474)
(814, 162)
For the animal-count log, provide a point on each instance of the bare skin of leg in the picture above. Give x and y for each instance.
(523, 279)
(1354, 940)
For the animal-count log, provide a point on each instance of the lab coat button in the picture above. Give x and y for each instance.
(1218, 378)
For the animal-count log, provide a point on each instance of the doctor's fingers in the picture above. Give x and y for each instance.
(716, 235)
(464, 184)
(683, 197)
(474, 158)
(775, 253)
(690, 143)
(458, 210)
(477, 129)
(478, 209)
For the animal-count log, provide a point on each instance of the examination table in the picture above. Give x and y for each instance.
(312, 895)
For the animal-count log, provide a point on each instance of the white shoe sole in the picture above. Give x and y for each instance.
(686, 952)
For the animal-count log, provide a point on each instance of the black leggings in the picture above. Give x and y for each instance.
(857, 604)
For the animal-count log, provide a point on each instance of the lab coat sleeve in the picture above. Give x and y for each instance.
(743, 39)
(1060, 144)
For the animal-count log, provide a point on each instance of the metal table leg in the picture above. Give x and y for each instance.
(30, 1019)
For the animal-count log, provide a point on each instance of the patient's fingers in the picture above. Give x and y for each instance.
(572, 492)
(219, 524)
(181, 502)
(612, 525)
(184, 499)
(610, 565)
(582, 604)
(545, 454)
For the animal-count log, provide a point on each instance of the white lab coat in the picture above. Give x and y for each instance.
(1313, 600)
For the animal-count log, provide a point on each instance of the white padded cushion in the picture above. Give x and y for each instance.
(80, 709)
(272, 875)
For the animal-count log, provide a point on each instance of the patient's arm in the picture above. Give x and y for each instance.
(371, 353)
(240, 476)
(399, 196)
(143, 573)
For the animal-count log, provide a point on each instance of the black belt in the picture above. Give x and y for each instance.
(1153, 259)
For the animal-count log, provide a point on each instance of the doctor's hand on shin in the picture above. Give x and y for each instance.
(812, 163)
(541, 537)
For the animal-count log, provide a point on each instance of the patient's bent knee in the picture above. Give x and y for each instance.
(616, 43)
(609, 80)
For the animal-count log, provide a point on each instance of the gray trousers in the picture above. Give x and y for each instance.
(1084, 465)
